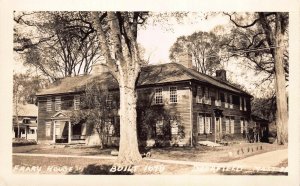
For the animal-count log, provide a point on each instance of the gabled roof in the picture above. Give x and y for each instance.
(26, 110)
(149, 75)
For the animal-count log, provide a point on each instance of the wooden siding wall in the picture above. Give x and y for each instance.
(209, 109)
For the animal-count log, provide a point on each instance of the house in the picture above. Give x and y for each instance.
(179, 104)
(26, 121)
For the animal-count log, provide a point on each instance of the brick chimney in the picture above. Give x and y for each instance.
(221, 74)
(185, 59)
(99, 67)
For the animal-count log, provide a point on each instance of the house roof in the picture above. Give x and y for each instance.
(26, 110)
(150, 75)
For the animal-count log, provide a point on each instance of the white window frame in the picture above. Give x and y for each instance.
(204, 123)
(76, 102)
(49, 104)
(48, 128)
(173, 94)
(57, 103)
(158, 96)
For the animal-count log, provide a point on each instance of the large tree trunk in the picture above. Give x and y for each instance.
(128, 152)
(281, 99)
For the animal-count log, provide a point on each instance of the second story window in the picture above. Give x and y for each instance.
(49, 104)
(230, 102)
(158, 96)
(173, 94)
(57, 103)
(199, 95)
(76, 102)
(207, 99)
(241, 103)
(226, 100)
(245, 107)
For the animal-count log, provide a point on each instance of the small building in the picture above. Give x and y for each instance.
(183, 106)
(26, 123)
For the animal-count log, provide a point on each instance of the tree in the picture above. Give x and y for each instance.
(205, 48)
(117, 35)
(63, 43)
(266, 49)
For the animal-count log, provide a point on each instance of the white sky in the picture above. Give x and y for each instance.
(157, 40)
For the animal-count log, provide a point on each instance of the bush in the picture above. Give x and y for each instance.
(22, 142)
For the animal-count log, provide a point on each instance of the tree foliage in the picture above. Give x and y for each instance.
(205, 48)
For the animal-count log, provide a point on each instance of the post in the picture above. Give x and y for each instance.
(215, 129)
(54, 131)
(69, 132)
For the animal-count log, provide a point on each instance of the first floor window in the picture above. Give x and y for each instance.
(173, 94)
(48, 128)
(158, 96)
(110, 129)
(232, 125)
(244, 125)
(204, 124)
(109, 100)
(174, 127)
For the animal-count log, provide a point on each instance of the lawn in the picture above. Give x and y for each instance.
(64, 165)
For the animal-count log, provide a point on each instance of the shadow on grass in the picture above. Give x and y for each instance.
(94, 169)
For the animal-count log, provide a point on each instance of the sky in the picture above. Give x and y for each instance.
(157, 39)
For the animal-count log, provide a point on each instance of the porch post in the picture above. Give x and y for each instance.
(69, 132)
(53, 131)
(215, 129)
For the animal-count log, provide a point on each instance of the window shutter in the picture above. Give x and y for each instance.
(241, 103)
(199, 94)
(232, 125)
(246, 126)
(49, 104)
(48, 128)
(242, 125)
(226, 100)
(174, 127)
(57, 103)
(76, 102)
(245, 108)
(207, 125)
(227, 125)
(159, 127)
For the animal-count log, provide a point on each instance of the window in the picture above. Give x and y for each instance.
(110, 129)
(232, 125)
(241, 103)
(244, 125)
(226, 100)
(230, 102)
(26, 120)
(49, 104)
(57, 103)
(199, 94)
(48, 128)
(76, 102)
(217, 100)
(173, 94)
(174, 127)
(227, 119)
(159, 127)
(158, 96)
(204, 124)
(245, 108)
(207, 99)
(109, 100)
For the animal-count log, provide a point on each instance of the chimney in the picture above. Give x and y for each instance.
(185, 59)
(99, 67)
(221, 75)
